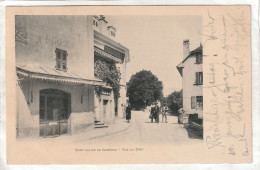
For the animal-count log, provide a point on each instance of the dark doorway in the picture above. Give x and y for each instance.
(105, 109)
(54, 112)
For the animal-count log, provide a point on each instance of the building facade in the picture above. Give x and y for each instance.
(109, 51)
(191, 70)
(55, 57)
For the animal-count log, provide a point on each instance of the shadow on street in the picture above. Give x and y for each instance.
(193, 132)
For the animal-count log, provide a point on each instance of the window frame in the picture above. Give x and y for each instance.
(199, 58)
(95, 23)
(198, 78)
(61, 59)
(194, 102)
(112, 33)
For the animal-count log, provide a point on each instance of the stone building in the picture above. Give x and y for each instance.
(55, 58)
(191, 70)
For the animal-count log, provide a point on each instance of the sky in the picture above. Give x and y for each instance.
(155, 44)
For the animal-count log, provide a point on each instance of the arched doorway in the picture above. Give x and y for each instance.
(54, 112)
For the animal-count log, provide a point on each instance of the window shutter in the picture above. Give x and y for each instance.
(61, 59)
(196, 78)
(201, 77)
(193, 102)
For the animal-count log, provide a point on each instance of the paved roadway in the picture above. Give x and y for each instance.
(142, 131)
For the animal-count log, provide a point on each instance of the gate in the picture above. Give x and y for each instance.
(54, 112)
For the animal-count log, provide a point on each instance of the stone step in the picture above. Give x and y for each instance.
(101, 126)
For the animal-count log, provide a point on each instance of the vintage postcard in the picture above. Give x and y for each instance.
(128, 85)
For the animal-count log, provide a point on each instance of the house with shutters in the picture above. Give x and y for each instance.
(56, 82)
(191, 70)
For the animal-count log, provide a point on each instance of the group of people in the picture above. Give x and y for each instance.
(155, 112)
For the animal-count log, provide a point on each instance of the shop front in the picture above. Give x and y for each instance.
(51, 105)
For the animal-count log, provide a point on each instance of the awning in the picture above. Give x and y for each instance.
(47, 73)
(104, 54)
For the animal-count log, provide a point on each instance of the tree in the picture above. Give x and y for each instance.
(174, 101)
(143, 88)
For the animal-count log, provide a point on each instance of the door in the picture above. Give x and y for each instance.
(105, 109)
(54, 112)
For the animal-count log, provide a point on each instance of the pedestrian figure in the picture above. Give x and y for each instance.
(156, 112)
(180, 116)
(152, 115)
(128, 112)
(164, 112)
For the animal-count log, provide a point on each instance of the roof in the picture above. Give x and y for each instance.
(197, 50)
(48, 73)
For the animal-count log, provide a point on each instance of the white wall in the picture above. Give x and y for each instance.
(43, 34)
(73, 34)
(82, 114)
(99, 108)
(188, 81)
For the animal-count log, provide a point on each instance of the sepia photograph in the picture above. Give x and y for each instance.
(128, 85)
(85, 79)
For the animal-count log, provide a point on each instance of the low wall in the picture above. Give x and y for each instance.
(81, 122)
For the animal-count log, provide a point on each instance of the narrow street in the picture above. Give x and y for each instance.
(142, 131)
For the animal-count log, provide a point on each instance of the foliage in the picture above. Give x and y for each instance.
(173, 101)
(98, 90)
(143, 88)
(110, 75)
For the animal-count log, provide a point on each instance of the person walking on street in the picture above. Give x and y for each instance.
(156, 112)
(152, 115)
(164, 112)
(128, 112)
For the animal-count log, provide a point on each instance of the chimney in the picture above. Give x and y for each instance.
(103, 24)
(112, 31)
(186, 48)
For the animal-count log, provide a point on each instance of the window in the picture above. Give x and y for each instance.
(113, 34)
(199, 58)
(61, 59)
(95, 23)
(199, 78)
(197, 102)
(54, 105)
